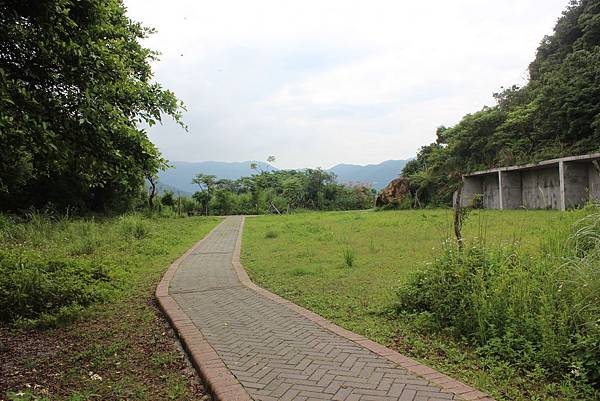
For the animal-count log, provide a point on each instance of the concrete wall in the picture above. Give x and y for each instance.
(594, 182)
(537, 186)
(541, 188)
(576, 184)
(511, 190)
(490, 192)
(471, 188)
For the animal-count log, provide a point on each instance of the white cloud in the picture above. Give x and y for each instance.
(321, 82)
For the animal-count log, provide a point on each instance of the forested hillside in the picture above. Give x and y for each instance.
(557, 113)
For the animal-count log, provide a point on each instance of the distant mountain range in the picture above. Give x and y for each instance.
(181, 175)
(179, 178)
(377, 175)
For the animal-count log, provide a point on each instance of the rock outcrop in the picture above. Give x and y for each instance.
(394, 192)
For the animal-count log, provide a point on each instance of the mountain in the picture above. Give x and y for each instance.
(161, 188)
(179, 178)
(378, 175)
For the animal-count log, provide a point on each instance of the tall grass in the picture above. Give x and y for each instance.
(539, 311)
(349, 256)
(49, 269)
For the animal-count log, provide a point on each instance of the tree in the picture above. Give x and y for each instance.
(317, 179)
(224, 202)
(294, 187)
(152, 192)
(75, 84)
(206, 182)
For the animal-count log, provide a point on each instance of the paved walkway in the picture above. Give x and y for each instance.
(265, 348)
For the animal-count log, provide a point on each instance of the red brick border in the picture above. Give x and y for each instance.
(222, 384)
(461, 390)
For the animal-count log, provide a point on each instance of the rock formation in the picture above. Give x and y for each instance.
(394, 192)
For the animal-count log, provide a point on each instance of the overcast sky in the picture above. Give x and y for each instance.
(317, 83)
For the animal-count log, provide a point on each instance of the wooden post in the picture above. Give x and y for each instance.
(458, 217)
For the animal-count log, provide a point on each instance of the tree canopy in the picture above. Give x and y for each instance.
(279, 191)
(75, 85)
(557, 113)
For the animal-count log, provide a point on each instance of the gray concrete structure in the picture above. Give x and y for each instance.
(563, 183)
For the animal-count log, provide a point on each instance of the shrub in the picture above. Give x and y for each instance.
(30, 289)
(85, 239)
(134, 226)
(167, 199)
(540, 310)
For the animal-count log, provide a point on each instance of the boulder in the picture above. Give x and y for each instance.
(394, 192)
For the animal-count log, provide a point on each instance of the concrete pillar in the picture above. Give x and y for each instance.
(500, 197)
(594, 180)
(562, 203)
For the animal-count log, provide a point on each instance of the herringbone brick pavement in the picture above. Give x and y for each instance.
(275, 352)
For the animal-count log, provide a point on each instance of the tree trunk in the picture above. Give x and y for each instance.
(152, 193)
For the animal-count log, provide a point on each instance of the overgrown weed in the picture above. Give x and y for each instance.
(538, 311)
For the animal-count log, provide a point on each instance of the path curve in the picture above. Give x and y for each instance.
(250, 344)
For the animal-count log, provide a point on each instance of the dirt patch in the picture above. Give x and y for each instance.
(125, 351)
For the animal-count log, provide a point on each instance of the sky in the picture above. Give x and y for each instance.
(317, 83)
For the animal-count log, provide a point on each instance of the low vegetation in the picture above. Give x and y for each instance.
(76, 302)
(515, 314)
(538, 311)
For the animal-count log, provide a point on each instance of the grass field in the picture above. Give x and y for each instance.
(346, 265)
(116, 347)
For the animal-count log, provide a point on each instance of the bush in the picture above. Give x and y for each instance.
(134, 226)
(533, 311)
(167, 199)
(30, 289)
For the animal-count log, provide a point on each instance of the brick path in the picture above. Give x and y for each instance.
(251, 344)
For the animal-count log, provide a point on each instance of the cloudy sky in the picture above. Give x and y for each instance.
(317, 83)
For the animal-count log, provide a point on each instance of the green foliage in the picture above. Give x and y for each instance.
(52, 268)
(167, 199)
(278, 192)
(535, 311)
(224, 202)
(75, 84)
(123, 336)
(349, 256)
(134, 227)
(30, 289)
(556, 114)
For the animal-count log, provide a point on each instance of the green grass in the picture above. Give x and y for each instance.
(308, 263)
(104, 323)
